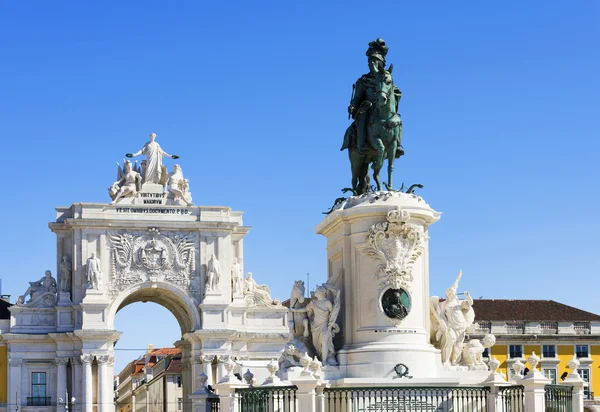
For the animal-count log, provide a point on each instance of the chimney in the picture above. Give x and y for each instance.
(149, 347)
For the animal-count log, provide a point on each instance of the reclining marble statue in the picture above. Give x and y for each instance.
(45, 289)
(257, 295)
(179, 188)
(375, 134)
(450, 319)
(128, 184)
(322, 314)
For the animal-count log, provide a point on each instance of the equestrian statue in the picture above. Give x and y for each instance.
(375, 134)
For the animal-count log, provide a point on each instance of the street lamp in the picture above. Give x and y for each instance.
(66, 401)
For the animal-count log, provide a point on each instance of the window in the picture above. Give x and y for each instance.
(179, 381)
(515, 351)
(486, 353)
(585, 375)
(179, 404)
(582, 351)
(38, 389)
(550, 374)
(549, 351)
(511, 374)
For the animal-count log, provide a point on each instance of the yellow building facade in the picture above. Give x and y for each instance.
(554, 331)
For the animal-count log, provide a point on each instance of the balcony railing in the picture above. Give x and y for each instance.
(515, 327)
(549, 327)
(583, 328)
(483, 326)
(38, 401)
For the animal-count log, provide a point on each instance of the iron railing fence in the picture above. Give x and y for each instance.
(559, 398)
(513, 399)
(267, 399)
(214, 404)
(406, 399)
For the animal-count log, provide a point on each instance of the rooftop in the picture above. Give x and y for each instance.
(529, 310)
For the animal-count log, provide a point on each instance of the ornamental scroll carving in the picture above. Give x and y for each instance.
(396, 244)
(152, 256)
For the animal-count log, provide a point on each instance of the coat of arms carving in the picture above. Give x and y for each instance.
(396, 244)
(151, 256)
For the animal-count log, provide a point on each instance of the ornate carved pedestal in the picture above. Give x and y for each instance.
(377, 247)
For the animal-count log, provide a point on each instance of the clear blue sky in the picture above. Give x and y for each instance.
(500, 110)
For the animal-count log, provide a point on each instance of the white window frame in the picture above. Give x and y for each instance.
(555, 374)
(179, 404)
(518, 357)
(555, 352)
(586, 389)
(582, 357)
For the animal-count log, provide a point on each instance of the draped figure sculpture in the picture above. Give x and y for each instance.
(153, 170)
(322, 314)
(36, 290)
(213, 272)
(450, 319)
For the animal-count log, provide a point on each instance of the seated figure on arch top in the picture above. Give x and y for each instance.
(129, 182)
(36, 289)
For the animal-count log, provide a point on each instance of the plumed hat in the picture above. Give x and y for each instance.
(377, 50)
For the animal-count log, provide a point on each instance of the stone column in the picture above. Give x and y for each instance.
(105, 384)
(14, 383)
(573, 379)
(221, 372)
(207, 368)
(306, 394)
(61, 383)
(534, 387)
(186, 372)
(87, 360)
(76, 380)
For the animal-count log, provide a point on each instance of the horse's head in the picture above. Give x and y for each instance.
(384, 86)
(298, 292)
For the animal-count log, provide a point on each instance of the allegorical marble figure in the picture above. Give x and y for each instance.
(154, 154)
(450, 320)
(64, 275)
(322, 315)
(93, 272)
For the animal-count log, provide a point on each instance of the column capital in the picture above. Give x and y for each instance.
(15, 361)
(222, 358)
(62, 361)
(87, 359)
(186, 364)
(207, 358)
(105, 360)
(198, 359)
(75, 360)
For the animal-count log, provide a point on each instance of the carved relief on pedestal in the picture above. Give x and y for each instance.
(396, 244)
(151, 256)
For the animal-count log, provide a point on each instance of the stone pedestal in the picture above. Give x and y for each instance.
(377, 248)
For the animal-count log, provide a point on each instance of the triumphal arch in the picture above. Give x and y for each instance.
(150, 244)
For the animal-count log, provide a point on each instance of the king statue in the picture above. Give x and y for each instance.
(375, 133)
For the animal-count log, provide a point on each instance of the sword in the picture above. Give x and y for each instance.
(351, 99)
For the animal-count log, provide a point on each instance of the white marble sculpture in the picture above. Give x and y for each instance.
(213, 274)
(449, 321)
(42, 293)
(237, 278)
(322, 312)
(472, 355)
(64, 275)
(179, 187)
(153, 171)
(290, 357)
(396, 244)
(150, 255)
(300, 319)
(93, 272)
(128, 183)
(257, 295)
